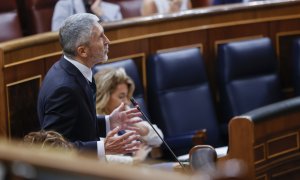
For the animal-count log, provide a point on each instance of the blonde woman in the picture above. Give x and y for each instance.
(114, 87)
(48, 139)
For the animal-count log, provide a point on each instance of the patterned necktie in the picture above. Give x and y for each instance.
(93, 89)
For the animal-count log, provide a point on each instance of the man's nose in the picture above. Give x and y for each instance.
(106, 40)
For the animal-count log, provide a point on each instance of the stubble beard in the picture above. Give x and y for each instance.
(105, 58)
(102, 59)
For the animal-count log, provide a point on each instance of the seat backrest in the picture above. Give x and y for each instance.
(179, 96)
(248, 76)
(129, 8)
(132, 71)
(296, 65)
(216, 2)
(200, 3)
(10, 26)
(38, 15)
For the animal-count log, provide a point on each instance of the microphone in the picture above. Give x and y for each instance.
(133, 101)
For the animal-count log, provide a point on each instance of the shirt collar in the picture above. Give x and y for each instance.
(86, 72)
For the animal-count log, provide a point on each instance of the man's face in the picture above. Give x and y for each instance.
(98, 46)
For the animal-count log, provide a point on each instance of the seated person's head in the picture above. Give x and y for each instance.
(47, 139)
(114, 86)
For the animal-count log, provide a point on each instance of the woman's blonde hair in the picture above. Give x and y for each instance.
(47, 139)
(106, 81)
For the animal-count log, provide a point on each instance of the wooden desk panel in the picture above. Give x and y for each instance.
(267, 140)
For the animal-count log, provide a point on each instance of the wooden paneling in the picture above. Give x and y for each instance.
(177, 40)
(259, 153)
(287, 30)
(282, 145)
(22, 116)
(16, 73)
(127, 48)
(267, 140)
(140, 37)
(291, 172)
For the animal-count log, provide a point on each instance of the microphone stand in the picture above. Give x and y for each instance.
(133, 101)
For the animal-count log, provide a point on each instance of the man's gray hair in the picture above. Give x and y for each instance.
(76, 30)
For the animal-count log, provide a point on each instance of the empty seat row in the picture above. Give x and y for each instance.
(248, 76)
(26, 17)
(36, 15)
(9, 21)
(179, 98)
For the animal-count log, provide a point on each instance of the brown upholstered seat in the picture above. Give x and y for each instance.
(200, 3)
(37, 15)
(202, 157)
(10, 27)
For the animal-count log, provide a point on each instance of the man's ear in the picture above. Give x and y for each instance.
(82, 51)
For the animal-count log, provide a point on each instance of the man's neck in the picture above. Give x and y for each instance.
(79, 60)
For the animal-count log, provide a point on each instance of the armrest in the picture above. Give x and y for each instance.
(202, 157)
(199, 137)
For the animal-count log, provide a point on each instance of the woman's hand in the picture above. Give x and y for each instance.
(142, 130)
(125, 119)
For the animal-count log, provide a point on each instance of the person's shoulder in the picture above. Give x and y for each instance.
(111, 6)
(62, 5)
(111, 11)
(63, 2)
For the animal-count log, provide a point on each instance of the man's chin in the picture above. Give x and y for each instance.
(106, 58)
(103, 60)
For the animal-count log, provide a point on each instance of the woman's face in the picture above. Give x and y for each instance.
(118, 96)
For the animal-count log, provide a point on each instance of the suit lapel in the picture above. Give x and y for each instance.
(81, 80)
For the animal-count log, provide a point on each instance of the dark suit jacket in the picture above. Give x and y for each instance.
(65, 104)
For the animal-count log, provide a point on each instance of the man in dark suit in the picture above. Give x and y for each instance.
(66, 101)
